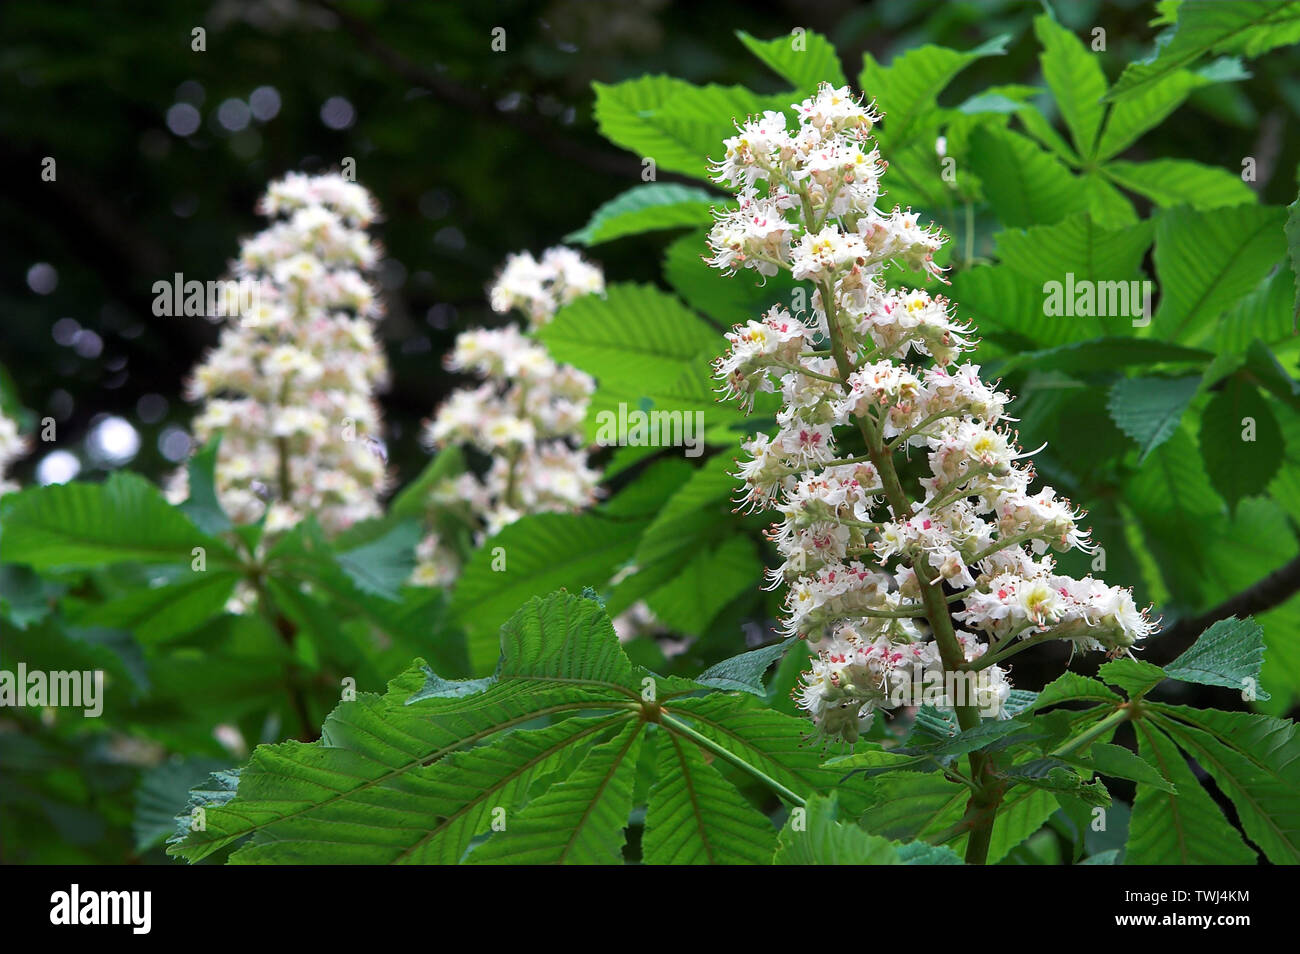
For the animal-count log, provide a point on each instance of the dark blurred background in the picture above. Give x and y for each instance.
(161, 152)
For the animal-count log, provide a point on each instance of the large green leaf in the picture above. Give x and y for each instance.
(646, 208)
(1230, 653)
(1250, 27)
(804, 58)
(1241, 441)
(1149, 409)
(579, 820)
(1145, 109)
(674, 123)
(1172, 182)
(907, 90)
(1255, 761)
(709, 581)
(634, 333)
(1206, 261)
(815, 836)
(1024, 184)
(1075, 245)
(1186, 828)
(536, 555)
(383, 565)
(124, 520)
(1075, 78)
(695, 816)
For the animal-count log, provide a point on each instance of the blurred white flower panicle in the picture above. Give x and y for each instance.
(292, 380)
(526, 415)
(12, 447)
(539, 288)
(867, 567)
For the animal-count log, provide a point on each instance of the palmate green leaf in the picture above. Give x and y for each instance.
(123, 520)
(1174, 182)
(815, 836)
(1250, 27)
(907, 90)
(922, 807)
(804, 59)
(1145, 109)
(1136, 677)
(1024, 184)
(1186, 828)
(375, 788)
(579, 820)
(1011, 308)
(157, 614)
(1239, 467)
(1267, 313)
(676, 529)
(538, 764)
(647, 208)
(1150, 409)
(541, 553)
(382, 566)
(1206, 260)
(1074, 76)
(1255, 761)
(1116, 761)
(695, 816)
(1078, 245)
(1230, 653)
(711, 579)
(675, 123)
(1072, 687)
(634, 333)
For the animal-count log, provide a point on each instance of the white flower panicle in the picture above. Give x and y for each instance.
(291, 382)
(527, 415)
(876, 578)
(12, 447)
(540, 288)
